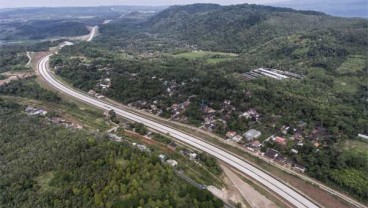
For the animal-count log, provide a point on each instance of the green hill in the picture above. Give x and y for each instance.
(239, 28)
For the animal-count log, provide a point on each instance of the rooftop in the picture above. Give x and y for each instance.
(252, 133)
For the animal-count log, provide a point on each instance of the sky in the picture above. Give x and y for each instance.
(348, 8)
(57, 3)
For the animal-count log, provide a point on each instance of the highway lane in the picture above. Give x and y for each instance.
(286, 192)
(92, 34)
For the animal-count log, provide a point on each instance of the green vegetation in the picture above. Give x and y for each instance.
(180, 64)
(162, 139)
(14, 57)
(344, 168)
(210, 162)
(168, 69)
(209, 57)
(353, 64)
(240, 28)
(48, 166)
(41, 29)
(28, 88)
(139, 128)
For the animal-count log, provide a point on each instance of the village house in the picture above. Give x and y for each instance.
(299, 168)
(173, 163)
(92, 92)
(172, 146)
(230, 134)
(184, 152)
(115, 137)
(208, 110)
(162, 157)
(153, 107)
(256, 144)
(143, 148)
(98, 96)
(253, 146)
(283, 160)
(227, 102)
(279, 140)
(251, 134)
(251, 114)
(193, 156)
(317, 134)
(237, 138)
(61, 121)
(300, 144)
(297, 136)
(35, 111)
(271, 153)
(57, 120)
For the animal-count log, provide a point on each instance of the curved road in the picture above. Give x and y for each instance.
(286, 192)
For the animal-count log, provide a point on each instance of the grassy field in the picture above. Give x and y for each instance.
(356, 145)
(85, 115)
(353, 64)
(44, 180)
(209, 56)
(346, 84)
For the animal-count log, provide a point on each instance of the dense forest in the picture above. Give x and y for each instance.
(41, 29)
(28, 88)
(240, 28)
(14, 57)
(47, 166)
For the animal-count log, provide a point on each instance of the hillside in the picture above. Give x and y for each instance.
(239, 28)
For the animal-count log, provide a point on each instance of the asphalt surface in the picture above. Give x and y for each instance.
(92, 34)
(283, 190)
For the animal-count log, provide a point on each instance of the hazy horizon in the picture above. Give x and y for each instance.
(71, 3)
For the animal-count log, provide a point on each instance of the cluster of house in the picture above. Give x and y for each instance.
(210, 120)
(316, 136)
(185, 152)
(172, 87)
(177, 110)
(32, 111)
(251, 114)
(65, 123)
(249, 136)
(272, 73)
(104, 83)
(147, 107)
(95, 94)
(189, 154)
(276, 156)
(254, 145)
